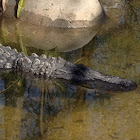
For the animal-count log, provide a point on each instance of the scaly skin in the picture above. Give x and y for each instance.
(51, 67)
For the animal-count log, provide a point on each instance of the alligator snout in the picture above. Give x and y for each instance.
(127, 85)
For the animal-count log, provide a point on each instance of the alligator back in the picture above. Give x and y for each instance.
(51, 67)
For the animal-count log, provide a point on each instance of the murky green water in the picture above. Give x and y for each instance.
(57, 110)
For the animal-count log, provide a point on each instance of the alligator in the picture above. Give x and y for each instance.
(51, 67)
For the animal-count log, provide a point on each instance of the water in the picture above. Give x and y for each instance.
(58, 110)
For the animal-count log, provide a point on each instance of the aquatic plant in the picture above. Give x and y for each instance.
(20, 8)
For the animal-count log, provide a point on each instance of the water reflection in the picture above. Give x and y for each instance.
(29, 103)
(33, 108)
(26, 35)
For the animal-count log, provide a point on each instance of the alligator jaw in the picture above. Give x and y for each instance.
(81, 74)
(103, 85)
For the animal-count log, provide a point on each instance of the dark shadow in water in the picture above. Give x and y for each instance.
(31, 86)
